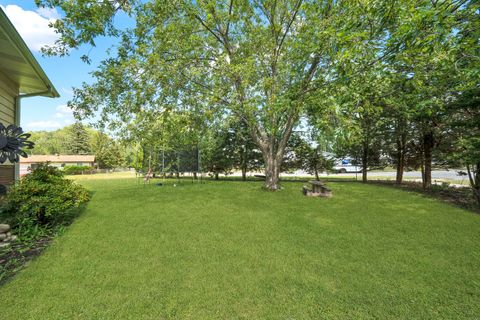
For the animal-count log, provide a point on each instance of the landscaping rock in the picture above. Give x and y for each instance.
(4, 228)
(6, 235)
(4, 244)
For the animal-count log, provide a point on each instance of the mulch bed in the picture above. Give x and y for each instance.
(458, 196)
(14, 257)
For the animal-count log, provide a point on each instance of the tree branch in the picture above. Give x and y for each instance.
(289, 25)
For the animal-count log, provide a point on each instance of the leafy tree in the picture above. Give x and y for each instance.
(108, 153)
(362, 101)
(260, 61)
(398, 129)
(50, 142)
(463, 114)
(247, 156)
(78, 140)
(429, 40)
(389, 68)
(219, 156)
(306, 155)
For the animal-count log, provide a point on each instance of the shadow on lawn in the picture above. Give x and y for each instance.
(460, 197)
(253, 179)
(18, 254)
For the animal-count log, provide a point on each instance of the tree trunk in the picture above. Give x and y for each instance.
(476, 194)
(364, 162)
(195, 177)
(428, 143)
(474, 177)
(422, 170)
(272, 172)
(400, 158)
(316, 163)
(216, 175)
(243, 161)
(244, 173)
(400, 169)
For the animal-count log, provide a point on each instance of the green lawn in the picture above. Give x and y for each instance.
(227, 250)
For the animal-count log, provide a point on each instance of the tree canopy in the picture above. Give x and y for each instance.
(376, 66)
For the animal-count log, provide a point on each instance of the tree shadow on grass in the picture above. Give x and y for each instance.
(282, 179)
(459, 197)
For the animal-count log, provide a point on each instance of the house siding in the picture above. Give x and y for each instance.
(8, 93)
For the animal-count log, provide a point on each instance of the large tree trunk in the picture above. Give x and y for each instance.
(428, 144)
(364, 162)
(273, 150)
(401, 141)
(244, 174)
(272, 172)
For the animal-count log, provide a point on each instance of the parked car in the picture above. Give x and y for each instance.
(346, 166)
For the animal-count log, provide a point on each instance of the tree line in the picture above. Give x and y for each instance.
(77, 139)
(372, 79)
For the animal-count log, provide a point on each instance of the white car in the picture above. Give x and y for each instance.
(346, 166)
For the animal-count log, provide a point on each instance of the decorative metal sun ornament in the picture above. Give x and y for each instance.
(13, 142)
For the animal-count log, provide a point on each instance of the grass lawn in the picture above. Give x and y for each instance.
(227, 250)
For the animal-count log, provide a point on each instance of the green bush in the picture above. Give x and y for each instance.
(77, 169)
(41, 201)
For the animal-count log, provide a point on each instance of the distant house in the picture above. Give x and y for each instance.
(20, 77)
(59, 161)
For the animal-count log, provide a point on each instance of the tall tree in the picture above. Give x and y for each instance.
(257, 60)
(50, 142)
(108, 153)
(247, 156)
(463, 115)
(78, 140)
(306, 154)
(429, 40)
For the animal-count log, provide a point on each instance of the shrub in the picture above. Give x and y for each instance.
(77, 169)
(41, 200)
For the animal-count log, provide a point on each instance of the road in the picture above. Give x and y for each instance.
(437, 174)
(440, 174)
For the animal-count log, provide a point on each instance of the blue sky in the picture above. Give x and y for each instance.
(40, 113)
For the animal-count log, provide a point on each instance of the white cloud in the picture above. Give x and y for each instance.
(49, 13)
(67, 91)
(64, 111)
(43, 125)
(33, 26)
(62, 116)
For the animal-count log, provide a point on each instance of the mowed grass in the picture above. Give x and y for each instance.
(228, 250)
